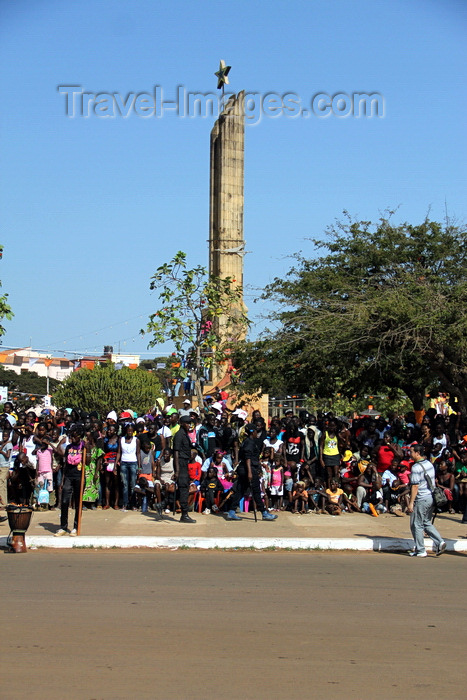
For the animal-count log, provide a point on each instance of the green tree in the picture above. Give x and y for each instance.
(5, 309)
(385, 305)
(201, 315)
(25, 390)
(104, 388)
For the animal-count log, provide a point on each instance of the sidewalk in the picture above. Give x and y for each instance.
(356, 531)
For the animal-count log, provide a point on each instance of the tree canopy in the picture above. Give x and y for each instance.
(200, 314)
(104, 388)
(383, 305)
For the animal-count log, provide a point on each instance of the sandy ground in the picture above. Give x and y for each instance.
(359, 525)
(199, 625)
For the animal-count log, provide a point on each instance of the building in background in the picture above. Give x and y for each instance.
(22, 360)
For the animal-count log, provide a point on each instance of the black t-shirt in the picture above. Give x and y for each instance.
(72, 463)
(157, 442)
(227, 438)
(293, 445)
(249, 450)
(211, 485)
(182, 445)
(261, 438)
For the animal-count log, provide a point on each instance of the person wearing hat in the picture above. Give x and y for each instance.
(111, 417)
(182, 456)
(185, 411)
(248, 472)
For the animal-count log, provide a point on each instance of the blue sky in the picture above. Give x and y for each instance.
(90, 207)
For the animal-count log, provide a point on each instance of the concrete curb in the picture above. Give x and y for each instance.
(376, 544)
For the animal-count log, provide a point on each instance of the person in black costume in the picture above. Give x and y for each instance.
(248, 473)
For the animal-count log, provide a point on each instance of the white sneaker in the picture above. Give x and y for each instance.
(441, 548)
(417, 554)
(73, 533)
(206, 511)
(168, 511)
(60, 533)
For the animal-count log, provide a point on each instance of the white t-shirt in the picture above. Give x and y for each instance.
(165, 432)
(276, 446)
(29, 446)
(129, 449)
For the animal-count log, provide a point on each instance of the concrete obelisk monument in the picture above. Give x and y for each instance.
(226, 242)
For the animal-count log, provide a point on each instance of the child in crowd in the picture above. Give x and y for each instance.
(194, 468)
(44, 470)
(318, 495)
(288, 484)
(276, 488)
(300, 498)
(334, 495)
(210, 489)
(265, 476)
(349, 499)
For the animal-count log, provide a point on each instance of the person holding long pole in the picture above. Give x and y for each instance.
(182, 455)
(248, 472)
(73, 466)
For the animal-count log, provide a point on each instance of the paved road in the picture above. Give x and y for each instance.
(199, 625)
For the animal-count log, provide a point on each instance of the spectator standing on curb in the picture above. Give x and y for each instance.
(182, 456)
(421, 503)
(71, 480)
(129, 461)
(5, 453)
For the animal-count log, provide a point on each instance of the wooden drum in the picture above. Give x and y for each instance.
(19, 518)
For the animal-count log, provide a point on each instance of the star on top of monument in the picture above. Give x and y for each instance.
(222, 74)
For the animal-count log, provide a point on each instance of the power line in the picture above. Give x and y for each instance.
(99, 330)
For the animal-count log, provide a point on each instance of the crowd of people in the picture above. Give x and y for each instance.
(215, 460)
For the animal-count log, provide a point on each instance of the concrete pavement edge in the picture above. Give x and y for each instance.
(366, 544)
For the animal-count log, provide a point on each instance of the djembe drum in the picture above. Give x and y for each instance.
(19, 518)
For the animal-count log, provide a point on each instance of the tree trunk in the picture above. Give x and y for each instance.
(418, 399)
(198, 390)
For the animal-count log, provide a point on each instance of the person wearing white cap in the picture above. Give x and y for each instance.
(112, 416)
(185, 411)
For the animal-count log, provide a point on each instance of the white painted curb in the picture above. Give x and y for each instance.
(377, 544)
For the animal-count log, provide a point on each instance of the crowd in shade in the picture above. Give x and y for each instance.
(304, 464)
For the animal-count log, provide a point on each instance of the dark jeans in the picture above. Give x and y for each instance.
(241, 487)
(210, 498)
(183, 484)
(71, 485)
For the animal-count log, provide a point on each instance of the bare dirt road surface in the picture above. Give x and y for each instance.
(199, 625)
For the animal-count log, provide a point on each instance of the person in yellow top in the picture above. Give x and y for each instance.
(334, 495)
(329, 455)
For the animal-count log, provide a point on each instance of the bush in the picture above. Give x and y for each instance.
(104, 388)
